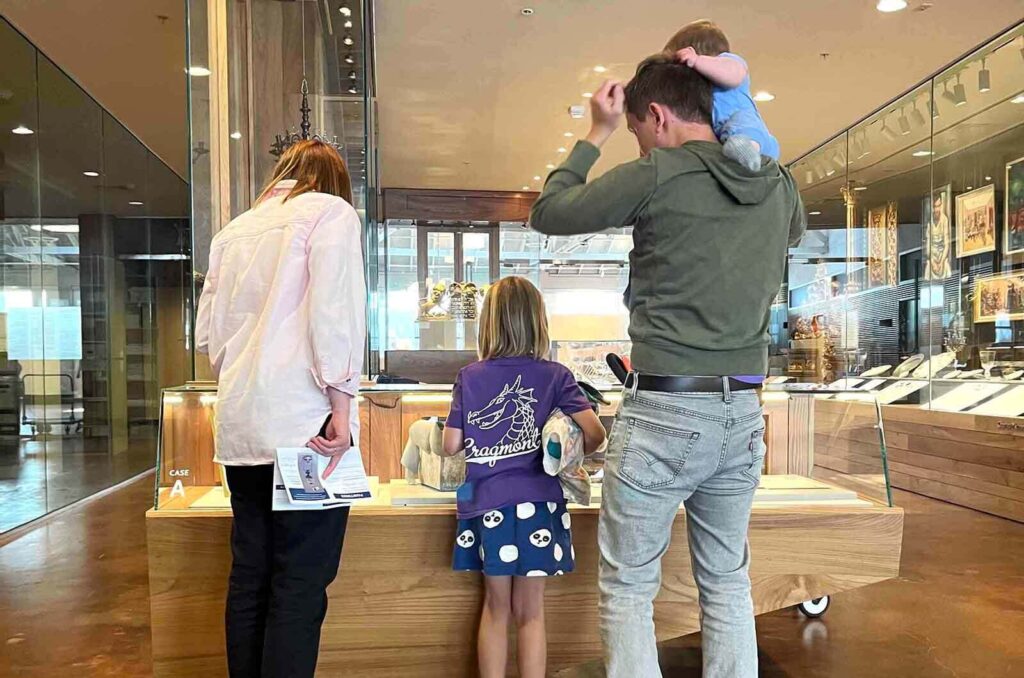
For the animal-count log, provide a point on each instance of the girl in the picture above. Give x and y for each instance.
(513, 525)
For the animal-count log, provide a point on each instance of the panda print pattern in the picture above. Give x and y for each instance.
(531, 539)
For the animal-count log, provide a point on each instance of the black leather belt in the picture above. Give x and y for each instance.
(665, 384)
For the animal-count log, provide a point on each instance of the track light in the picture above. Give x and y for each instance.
(947, 95)
(809, 176)
(865, 145)
(838, 160)
(917, 117)
(959, 93)
(984, 78)
(904, 123)
(887, 132)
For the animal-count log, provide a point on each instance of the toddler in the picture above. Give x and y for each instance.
(702, 46)
(513, 524)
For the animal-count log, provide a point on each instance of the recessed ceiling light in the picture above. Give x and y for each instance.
(345, 10)
(988, 178)
(91, 173)
(970, 188)
(1019, 99)
(587, 95)
(549, 166)
(198, 71)
(891, 5)
(136, 203)
(526, 188)
(561, 149)
(353, 90)
(567, 134)
(348, 24)
(536, 178)
(814, 213)
(600, 69)
(764, 96)
(922, 154)
(348, 40)
(21, 129)
(349, 59)
(526, 11)
(236, 135)
(860, 188)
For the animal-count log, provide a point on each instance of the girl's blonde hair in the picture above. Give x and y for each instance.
(315, 166)
(514, 321)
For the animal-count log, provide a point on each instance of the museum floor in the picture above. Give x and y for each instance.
(73, 595)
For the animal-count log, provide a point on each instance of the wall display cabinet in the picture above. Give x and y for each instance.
(911, 274)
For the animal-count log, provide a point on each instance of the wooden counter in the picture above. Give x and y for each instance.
(397, 609)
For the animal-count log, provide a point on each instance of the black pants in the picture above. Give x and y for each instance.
(282, 563)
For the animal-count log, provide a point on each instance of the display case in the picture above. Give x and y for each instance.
(187, 476)
(910, 278)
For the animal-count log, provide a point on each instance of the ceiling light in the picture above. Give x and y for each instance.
(946, 94)
(764, 96)
(549, 166)
(136, 203)
(935, 109)
(198, 71)
(860, 188)
(526, 188)
(348, 24)
(348, 40)
(917, 117)
(587, 95)
(1019, 99)
(537, 178)
(988, 178)
(984, 78)
(349, 59)
(959, 93)
(21, 129)
(236, 135)
(561, 149)
(345, 10)
(830, 172)
(61, 228)
(922, 154)
(809, 176)
(600, 69)
(91, 173)
(353, 90)
(567, 134)
(891, 5)
(887, 132)
(904, 123)
(838, 160)
(351, 75)
(815, 213)
(526, 11)
(970, 188)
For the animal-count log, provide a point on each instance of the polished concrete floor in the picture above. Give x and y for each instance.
(73, 601)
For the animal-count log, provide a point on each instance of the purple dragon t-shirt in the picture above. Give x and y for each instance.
(501, 406)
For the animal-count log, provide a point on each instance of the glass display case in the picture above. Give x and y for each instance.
(187, 476)
(910, 280)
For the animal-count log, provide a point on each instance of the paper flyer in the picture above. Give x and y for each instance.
(299, 483)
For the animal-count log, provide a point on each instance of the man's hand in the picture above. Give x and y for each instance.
(688, 56)
(338, 438)
(607, 107)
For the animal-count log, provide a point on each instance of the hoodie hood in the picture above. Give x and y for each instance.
(747, 187)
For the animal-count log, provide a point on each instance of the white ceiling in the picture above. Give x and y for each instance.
(473, 95)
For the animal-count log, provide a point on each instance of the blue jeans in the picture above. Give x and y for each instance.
(704, 451)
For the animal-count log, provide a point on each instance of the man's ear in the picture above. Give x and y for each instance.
(659, 116)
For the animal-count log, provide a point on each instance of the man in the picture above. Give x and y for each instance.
(709, 247)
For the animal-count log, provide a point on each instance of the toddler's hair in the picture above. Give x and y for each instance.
(704, 36)
(514, 321)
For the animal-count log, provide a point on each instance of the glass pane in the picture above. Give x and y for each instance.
(476, 258)
(440, 260)
(23, 479)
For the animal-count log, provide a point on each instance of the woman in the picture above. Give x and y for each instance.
(282, 318)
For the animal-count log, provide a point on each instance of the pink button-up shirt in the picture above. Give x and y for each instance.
(282, 316)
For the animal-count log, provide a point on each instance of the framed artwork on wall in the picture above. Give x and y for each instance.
(976, 221)
(1013, 230)
(999, 297)
(937, 235)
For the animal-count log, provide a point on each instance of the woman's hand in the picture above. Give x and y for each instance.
(338, 437)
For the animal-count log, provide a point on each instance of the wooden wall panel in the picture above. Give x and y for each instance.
(970, 460)
(397, 609)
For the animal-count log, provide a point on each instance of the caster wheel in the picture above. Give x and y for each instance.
(815, 608)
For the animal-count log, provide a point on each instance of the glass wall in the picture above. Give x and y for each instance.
(910, 280)
(94, 260)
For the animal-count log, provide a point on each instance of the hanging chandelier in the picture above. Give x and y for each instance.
(283, 142)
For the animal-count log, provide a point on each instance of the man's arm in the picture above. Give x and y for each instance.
(725, 71)
(798, 220)
(569, 205)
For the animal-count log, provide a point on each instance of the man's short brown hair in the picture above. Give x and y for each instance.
(663, 80)
(705, 37)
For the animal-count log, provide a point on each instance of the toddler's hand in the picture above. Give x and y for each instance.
(688, 56)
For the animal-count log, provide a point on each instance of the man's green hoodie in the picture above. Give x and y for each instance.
(709, 249)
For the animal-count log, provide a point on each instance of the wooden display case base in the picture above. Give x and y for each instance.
(397, 609)
(971, 460)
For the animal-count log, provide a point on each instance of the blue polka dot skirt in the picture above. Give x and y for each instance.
(532, 539)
